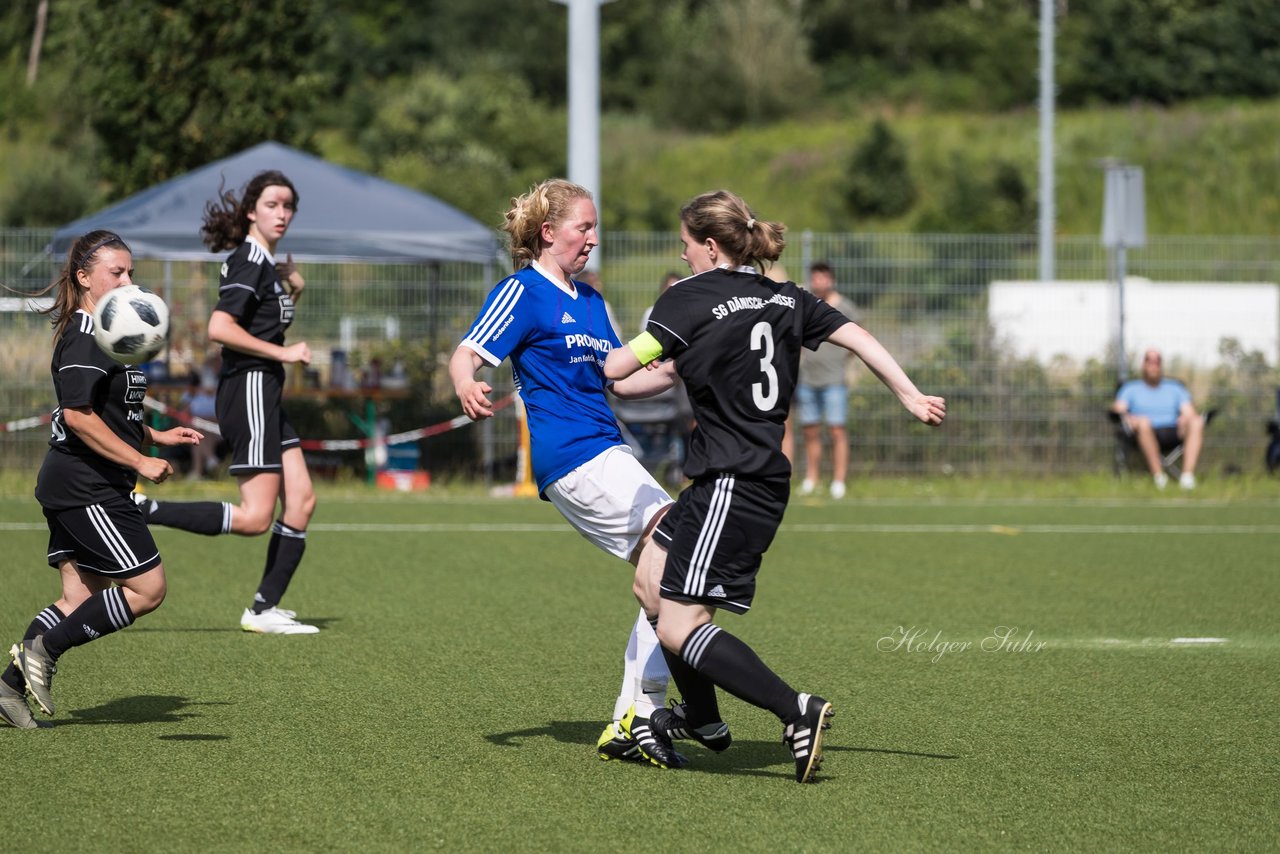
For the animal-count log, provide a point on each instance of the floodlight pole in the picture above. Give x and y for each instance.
(1047, 212)
(584, 99)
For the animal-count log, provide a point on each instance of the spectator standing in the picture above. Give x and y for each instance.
(822, 397)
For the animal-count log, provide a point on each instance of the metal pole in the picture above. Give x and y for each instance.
(1047, 213)
(584, 100)
(1122, 368)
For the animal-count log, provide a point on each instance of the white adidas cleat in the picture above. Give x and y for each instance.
(274, 621)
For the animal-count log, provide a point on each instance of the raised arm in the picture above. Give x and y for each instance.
(928, 408)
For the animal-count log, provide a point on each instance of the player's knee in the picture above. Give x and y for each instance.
(147, 599)
(671, 635)
(253, 523)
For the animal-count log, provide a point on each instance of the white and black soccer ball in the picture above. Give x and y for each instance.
(131, 324)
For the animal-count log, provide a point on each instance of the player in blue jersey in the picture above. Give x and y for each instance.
(109, 565)
(735, 336)
(257, 296)
(556, 332)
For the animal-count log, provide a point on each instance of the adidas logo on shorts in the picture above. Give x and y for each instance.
(717, 592)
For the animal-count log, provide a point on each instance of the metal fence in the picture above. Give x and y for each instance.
(923, 296)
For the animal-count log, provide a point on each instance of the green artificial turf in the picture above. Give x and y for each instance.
(471, 652)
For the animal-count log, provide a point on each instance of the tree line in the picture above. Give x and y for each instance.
(467, 100)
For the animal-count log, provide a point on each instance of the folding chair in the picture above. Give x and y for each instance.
(1128, 455)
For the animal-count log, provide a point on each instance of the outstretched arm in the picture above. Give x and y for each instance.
(928, 408)
(621, 363)
(656, 380)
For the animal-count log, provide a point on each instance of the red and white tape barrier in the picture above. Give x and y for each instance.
(211, 428)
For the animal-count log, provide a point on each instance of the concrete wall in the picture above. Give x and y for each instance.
(1186, 320)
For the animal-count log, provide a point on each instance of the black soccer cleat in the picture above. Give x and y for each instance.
(674, 723)
(804, 736)
(654, 744)
(613, 744)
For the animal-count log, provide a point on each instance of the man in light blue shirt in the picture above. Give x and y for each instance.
(1159, 413)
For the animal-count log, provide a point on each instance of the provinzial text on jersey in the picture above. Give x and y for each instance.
(580, 340)
(726, 308)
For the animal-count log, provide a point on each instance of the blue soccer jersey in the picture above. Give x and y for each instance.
(557, 343)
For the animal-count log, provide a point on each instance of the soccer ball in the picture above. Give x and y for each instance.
(131, 324)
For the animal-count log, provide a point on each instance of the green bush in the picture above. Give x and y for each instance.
(879, 182)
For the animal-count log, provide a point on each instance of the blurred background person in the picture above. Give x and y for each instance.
(822, 398)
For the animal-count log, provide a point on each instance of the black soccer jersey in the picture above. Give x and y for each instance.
(250, 290)
(736, 338)
(73, 474)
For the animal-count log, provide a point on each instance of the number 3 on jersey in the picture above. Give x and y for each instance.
(764, 395)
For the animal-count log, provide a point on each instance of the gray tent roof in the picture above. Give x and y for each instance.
(343, 215)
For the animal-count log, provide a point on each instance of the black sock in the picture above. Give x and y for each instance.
(198, 517)
(735, 667)
(697, 692)
(101, 614)
(45, 620)
(284, 553)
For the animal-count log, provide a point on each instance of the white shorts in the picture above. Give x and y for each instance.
(610, 500)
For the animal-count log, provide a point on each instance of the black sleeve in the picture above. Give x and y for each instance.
(673, 320)
(238, 286)
(81, 367)
(820, 320)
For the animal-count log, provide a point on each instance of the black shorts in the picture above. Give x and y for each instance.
(1167, 438)
(715, 535)
(109, 538)
(253, 422)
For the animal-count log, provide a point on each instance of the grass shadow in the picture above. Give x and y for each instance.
(145, 709)
(753, 758)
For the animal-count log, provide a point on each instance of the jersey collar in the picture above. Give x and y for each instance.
(249, 238)
(571, 291)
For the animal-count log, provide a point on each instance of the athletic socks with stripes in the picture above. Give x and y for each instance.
(697, 692)
(734, 666)
(284, 553)
(199, 517)
(101, 614)
(45, 620)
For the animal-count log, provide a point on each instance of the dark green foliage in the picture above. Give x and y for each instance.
(170, 86)
(1169, 50)
(880, 183)
(981, 198)
(48, 192)
(731, 62)
(453, 137)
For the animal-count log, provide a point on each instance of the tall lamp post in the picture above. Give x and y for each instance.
(584, 98)
(1047, 212)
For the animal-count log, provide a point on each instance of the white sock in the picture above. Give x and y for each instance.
(651, 688)
(644, 672)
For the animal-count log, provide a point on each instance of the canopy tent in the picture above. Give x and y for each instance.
(343, 215)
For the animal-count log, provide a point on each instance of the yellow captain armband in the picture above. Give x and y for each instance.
(646, 347)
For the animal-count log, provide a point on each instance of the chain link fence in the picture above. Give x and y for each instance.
(924, 296)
